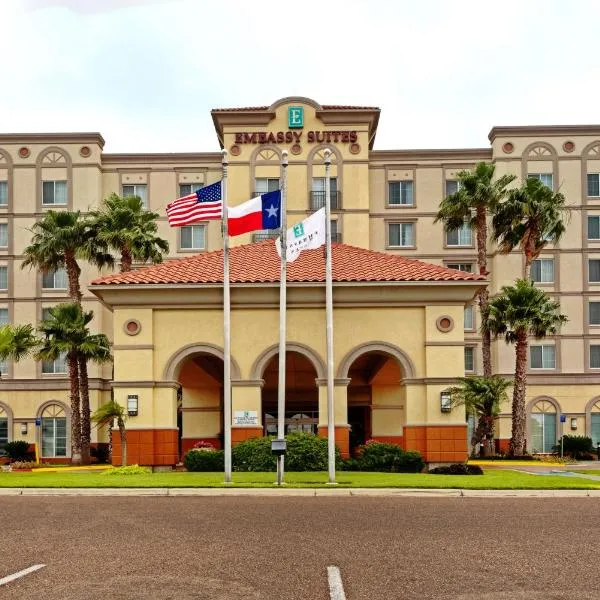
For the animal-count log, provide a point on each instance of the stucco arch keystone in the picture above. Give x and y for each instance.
(257, 370)
(408, 367)
(173, 366)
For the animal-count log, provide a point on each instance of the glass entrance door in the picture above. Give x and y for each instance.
(303, 421)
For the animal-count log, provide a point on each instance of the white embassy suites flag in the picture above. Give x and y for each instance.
(307, 234)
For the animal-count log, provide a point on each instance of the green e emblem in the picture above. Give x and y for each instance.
(295, 117)
(298, 230)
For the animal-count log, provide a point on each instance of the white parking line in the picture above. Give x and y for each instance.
(22, 573)
(336, 588)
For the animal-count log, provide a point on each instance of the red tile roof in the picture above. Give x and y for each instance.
(259, 263)
(264, 108)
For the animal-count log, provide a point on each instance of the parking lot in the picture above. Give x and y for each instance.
(280, 548)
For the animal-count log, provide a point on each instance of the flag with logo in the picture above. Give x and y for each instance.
(307, 234)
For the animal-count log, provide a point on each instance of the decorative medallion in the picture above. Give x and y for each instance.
(132, 327)
(568, 146)
(235, 150)
(354, 148)
(85, 151)
(445, 323)
(296, 149)
(508, 147)
(24, 152)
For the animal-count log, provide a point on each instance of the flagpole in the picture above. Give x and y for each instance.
(226, 328)
(329, 321)
(282, 318)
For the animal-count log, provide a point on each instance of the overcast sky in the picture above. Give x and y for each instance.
(145, 73)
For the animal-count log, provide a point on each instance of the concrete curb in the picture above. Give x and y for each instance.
(297, 492)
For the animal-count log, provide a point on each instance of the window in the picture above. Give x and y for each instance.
(469, 359)
(54, 193)
(3, 193)
(545, 178)
(139, 189)
(595, 425)
(542, 357)
(463, 236)
(466, 267)
(56, 366)
(3, 367)
(4, 316)
(469, 324)
(55, 280)
(594, 356)
(185, 189)
(542, 270)
(593, 184)
(401, 235)
(4, 439)
(543, 432)
(594, 313)
(54, 432)
(3, 277)
(594, 270)
(45, 313)
(3, 235)
(193, 237)
(317, 196)
(452, 186)
(593, 227)
(264, 185)
(400, 193)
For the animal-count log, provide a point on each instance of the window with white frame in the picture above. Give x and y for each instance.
(138, 189)
(271, 184)
(193, 237)
(4, 431)
(594, 270)
(469, 317)
(545, 178)
(3, 277)
(594, 356)
(593, 185)
(542, 356)
(55, 280)
(465, 267)
(401, 235)
(400, 193)
(593, 227)
(452, 186)
(3, 235)
(54, 193)
(542, 270)
(45, 313)
(4, 320)
(543, 426)
(317, 195)
(469, 359)
(463, 236)
(54, 432)
(185, 189)
(3, 193)
(595, 424)
(594, 313)
(56, 366)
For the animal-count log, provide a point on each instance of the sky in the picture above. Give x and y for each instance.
(146, 73)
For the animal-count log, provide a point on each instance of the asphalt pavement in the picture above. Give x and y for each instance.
(231, 548)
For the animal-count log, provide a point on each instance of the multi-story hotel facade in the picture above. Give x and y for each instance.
(401, 337)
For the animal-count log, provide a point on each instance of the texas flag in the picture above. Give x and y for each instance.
(262, 212)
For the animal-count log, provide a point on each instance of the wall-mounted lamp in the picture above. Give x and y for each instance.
(132, 405)
(573, 423)
(23, 428)
(445, 402)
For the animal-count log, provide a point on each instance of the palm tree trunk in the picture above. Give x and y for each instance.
(123, 434)
(126, 259)
(517, 442)
(86, 432)
(73, 272)
(486, 342)
(75, 414)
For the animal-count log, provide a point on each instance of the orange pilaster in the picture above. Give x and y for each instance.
(241, 434)
(342, 438)
(438, 443)
(151, 447)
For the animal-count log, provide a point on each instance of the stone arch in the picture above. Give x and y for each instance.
(551, 155)
(67, 414)
(7, 163)
(50, 403)
(176, 360)
(257, 160)
(257, 370)
(295, 99)
(529, 409)
(589, 409)
(68, 164)
(7, 410)
(408, 367)
(586, 154)
(587, 151)
(336, 159)
(4, 155)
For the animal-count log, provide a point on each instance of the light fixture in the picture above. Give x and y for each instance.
(132, 405)
(445, 402)
(23, 428)
(573, 423)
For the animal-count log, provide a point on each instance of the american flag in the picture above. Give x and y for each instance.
(205, 203)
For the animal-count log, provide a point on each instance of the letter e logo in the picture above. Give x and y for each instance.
(295, 117)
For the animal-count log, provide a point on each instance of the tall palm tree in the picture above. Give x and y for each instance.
(17, 342)
(519, 311)
(478, 196)
(482, 397)
(105, 415)
(59, 239)
(531, 217)
(124, 225)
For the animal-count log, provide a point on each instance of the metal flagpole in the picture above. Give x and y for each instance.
(282, 319)
(329, 320)
(226, 328)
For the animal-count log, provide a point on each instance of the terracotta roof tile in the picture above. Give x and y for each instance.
(242, 109)
(259, 263)
(264, 108)
(347, 107)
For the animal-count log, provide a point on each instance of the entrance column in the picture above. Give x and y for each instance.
(246, 409)
(340, 399)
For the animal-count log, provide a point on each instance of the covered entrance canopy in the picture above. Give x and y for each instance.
(398, 343)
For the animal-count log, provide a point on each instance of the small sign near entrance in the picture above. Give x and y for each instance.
(38, 421)
(563, 418)
(245, 417)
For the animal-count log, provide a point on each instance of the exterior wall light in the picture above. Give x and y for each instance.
(23, 428)
(445, 402)
(573, 423)
(132, 405)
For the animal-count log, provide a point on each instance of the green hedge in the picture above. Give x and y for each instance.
(204, 460)
(389, 458)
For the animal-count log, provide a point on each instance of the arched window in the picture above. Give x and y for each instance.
(595, 423)
(4, 429)
(54, 431)
(543, 422)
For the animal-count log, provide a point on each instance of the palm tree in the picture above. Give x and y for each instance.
(520, 311)
(58, 240)
(105, 415)
(531, 217)
(477, 197)
(17, 342)
(124, 225)
(482, 397)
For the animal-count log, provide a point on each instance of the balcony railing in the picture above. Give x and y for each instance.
(317, 200)
(269, 234)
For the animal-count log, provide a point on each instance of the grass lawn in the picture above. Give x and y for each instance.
(587, 471)
(491, 480)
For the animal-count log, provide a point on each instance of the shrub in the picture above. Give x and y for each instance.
(18, 450)
(575, 445)
(254, 455)
(129, 470)
(389, 458)
(23, 464)
(457, 469)
(204, 459)
(349, 464)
